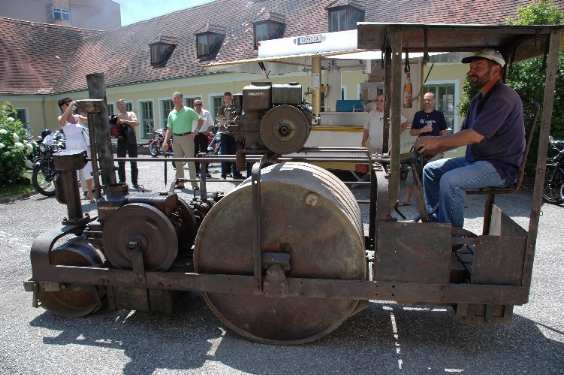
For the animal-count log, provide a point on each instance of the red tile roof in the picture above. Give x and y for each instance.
(35, 55)
(49, 58)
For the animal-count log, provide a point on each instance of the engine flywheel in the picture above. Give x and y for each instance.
(284, 129)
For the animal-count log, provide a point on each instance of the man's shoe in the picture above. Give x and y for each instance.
(208, 175)
(238, 176)
(135, 186)
(195, 187)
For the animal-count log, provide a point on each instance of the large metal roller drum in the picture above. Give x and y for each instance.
(284, 129)
(76, 252)
(306, 212)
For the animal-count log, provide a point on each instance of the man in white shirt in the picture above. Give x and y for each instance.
(201, 139)
(374, 127)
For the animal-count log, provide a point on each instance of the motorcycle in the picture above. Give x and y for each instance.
(43, 175)
(156, 143)
(213, 143)
(554, 176)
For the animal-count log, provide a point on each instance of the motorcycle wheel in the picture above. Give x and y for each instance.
(43, 179)
(153, 149)
(553, 187)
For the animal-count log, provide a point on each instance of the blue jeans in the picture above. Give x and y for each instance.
(445, 182)
(227, 146)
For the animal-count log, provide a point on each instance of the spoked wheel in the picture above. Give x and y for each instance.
(294, 196)
(43, 179)
(73, 304)
(147, 225)
(553, 186)
(154, 149)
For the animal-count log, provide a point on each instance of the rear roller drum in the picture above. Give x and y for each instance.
(73, 304)
(296, 199)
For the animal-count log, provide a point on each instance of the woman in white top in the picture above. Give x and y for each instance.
(73, 130)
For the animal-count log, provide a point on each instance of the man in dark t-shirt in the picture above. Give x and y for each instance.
(493, 133)
(427, 122)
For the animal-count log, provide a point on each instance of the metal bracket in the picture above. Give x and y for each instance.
(257, 252)
(281, 259)
(275, 283)
(31, 286)
(135, 252)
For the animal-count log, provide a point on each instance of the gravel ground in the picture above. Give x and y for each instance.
(386, 338)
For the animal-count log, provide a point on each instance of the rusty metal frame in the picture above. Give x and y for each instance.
(383, 195)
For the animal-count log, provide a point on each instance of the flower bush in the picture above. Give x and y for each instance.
(15, 150)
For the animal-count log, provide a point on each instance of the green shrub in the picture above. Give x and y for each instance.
(15, 150)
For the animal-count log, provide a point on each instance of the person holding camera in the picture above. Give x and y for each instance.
(127, 142)
(75, 137)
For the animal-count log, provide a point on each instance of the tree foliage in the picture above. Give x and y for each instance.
(528, 77)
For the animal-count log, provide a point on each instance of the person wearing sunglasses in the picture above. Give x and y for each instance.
(75, 137)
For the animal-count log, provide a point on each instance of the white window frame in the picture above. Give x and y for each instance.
(456, 99)
(26, 114)
(211, 96)
(62, 12)
(140, 116)
(113, 104)
(344, 92)
(162, 116)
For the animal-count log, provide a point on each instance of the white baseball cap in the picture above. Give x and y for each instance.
(488, 54)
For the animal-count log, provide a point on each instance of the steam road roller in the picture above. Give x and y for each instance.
(283, 258)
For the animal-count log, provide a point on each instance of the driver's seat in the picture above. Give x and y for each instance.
(531, 112)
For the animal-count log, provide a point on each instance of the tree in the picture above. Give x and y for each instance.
(528, 77)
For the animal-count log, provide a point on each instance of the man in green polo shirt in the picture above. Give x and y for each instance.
(180, 125)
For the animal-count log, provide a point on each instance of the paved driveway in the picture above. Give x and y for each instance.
(386, 338)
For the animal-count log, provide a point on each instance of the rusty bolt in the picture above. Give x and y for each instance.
(101, 281)
(312, 199)
(63, 286)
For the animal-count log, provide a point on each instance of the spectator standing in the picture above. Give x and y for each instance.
(127, 142)
(427, 122)
(201, 139)
(180, 124)
(227, 144)
(374, 127)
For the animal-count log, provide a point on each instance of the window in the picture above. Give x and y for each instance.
(161, 48)
(61, 14)
(217, 103)
(129, 106)
(445, 97)
(209, 39)
(146, 119)
(203, 45)
(189, 102)
(21, 114)
(271, 28)
(111, 110)
(338, 20)
(166, 108)
(345, 17)
(261, 33)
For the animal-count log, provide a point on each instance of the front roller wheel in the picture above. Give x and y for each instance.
(306, 212)
(73, 304)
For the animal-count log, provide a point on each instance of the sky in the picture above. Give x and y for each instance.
(134, 10)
